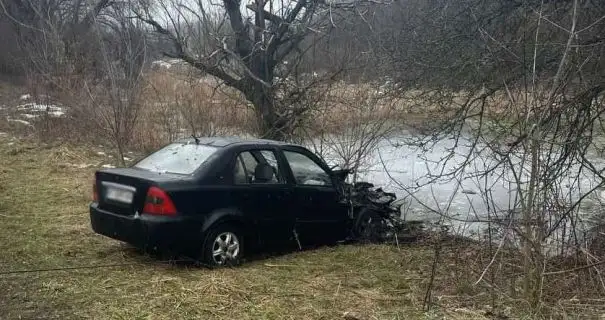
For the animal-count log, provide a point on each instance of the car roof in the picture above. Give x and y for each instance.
(224, 141)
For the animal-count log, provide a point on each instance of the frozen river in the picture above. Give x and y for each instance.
(405, 170)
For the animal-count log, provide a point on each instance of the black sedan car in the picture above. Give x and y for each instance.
(215, 198)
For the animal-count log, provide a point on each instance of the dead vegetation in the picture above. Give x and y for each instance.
(53, 232)
(83, 275)
(171, 105)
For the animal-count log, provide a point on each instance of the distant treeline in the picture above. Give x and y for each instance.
(418, 43)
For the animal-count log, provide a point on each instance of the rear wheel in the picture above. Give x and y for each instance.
(223, 246)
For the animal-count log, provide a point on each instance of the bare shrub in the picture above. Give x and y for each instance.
(177, 105)
(350, 123)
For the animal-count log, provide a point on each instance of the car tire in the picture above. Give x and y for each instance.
(368, 226)
(222, 246)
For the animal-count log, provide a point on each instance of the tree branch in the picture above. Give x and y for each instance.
(213, 70)
(266, 14)
(243, 42)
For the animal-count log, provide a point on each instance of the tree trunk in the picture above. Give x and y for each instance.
(531, 225)
(269, 123)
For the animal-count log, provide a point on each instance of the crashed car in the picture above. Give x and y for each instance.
(215, 198)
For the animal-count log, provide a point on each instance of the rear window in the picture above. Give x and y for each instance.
(179, 158)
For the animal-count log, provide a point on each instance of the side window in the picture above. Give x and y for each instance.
(306, 171)
(271, 160)
(243, 172)
(239, 176)
(247, 164)
(249, 161)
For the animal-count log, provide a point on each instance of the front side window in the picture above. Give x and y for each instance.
(306, 171)
(179, 158)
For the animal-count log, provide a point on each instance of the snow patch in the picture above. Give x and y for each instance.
(35, 107)
(51, 110)
(127, 159)
(30, 116)
(161, 64)
(101, 153)
(23, 122)
(108, 166)
(25, 97)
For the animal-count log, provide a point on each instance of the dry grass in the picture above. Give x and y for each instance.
(44, 192)
(177, 104)
(174, 105)
(43, 213)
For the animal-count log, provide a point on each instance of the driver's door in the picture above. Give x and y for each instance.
(320, 216)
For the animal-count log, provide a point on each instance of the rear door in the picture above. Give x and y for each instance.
(267, 203)
(320, 215)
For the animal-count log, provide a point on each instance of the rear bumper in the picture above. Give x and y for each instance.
(146, 231)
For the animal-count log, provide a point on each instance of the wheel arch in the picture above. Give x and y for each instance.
(224, 216)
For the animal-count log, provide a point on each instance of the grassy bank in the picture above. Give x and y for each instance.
(44, 192)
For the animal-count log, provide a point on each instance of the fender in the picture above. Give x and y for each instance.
(223, 215)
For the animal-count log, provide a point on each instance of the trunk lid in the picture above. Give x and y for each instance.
(123, 190)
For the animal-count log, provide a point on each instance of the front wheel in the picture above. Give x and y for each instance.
(223, 246)
(369, 226)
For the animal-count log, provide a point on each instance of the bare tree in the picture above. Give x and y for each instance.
(114, 98)
(52, 35)
(263, 45)
(351, 124)
(519, 100)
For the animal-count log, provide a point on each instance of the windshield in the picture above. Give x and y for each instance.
(179, 158)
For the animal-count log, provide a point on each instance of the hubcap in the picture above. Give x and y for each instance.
(225, 248)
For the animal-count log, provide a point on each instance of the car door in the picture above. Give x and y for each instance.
(320, 214)
(267, 202)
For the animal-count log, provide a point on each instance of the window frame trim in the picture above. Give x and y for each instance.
(313, 157)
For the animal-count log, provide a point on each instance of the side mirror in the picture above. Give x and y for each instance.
(263, 173)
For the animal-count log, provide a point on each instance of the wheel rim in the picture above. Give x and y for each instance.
(225, 248)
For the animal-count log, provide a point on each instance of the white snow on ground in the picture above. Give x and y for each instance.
(30, 116)
(161, 64)
(25, 97)
(127, 159)
(3, 134)
(101, 153)
(52, 110)
(108, 166)
(19, 121)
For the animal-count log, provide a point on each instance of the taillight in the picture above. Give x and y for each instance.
(158, 202)
(95, 192)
